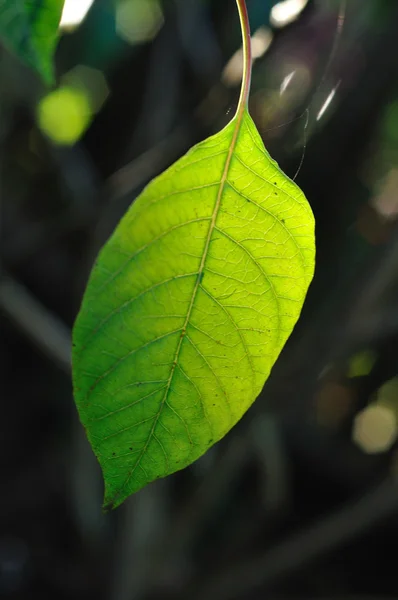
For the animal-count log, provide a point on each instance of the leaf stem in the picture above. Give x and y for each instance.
(247, 55)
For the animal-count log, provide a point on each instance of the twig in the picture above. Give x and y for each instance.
(304, 547)
(36, 322)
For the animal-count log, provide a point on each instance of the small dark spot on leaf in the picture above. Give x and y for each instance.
(275, 183)
(283, 220)
(113, 453)
(130, 448)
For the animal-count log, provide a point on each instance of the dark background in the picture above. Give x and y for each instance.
(300, 500)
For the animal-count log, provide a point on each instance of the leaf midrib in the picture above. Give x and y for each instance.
(238, 124)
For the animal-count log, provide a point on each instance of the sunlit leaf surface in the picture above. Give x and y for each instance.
(30, 29)
(188, 307)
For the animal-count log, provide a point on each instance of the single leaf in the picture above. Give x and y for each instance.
(188, 307)
(29, 28)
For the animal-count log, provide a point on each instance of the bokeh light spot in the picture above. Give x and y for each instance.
(233, 70)
(138, 21)
(386, 201)
(74, 13)
(91, 81)
(361, 364)
(375, 429)
(64, 115)
(284, 13)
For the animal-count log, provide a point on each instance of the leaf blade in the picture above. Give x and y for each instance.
(207, 269)
(29, 28)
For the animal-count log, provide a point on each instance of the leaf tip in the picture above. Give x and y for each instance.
(108, 504)
(112, 498)
(107, 508)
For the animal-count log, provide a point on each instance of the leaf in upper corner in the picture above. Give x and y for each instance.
(188, 307)
(30, 29)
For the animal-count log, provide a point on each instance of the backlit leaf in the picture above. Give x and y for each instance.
(30, 29)
(188, 307)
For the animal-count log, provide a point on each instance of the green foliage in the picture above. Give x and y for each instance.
(30, 29)
(188, 307)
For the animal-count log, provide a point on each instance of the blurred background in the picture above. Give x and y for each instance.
(300, 500)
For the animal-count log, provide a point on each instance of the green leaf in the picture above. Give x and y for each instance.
(29, 28)
(188, 307)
